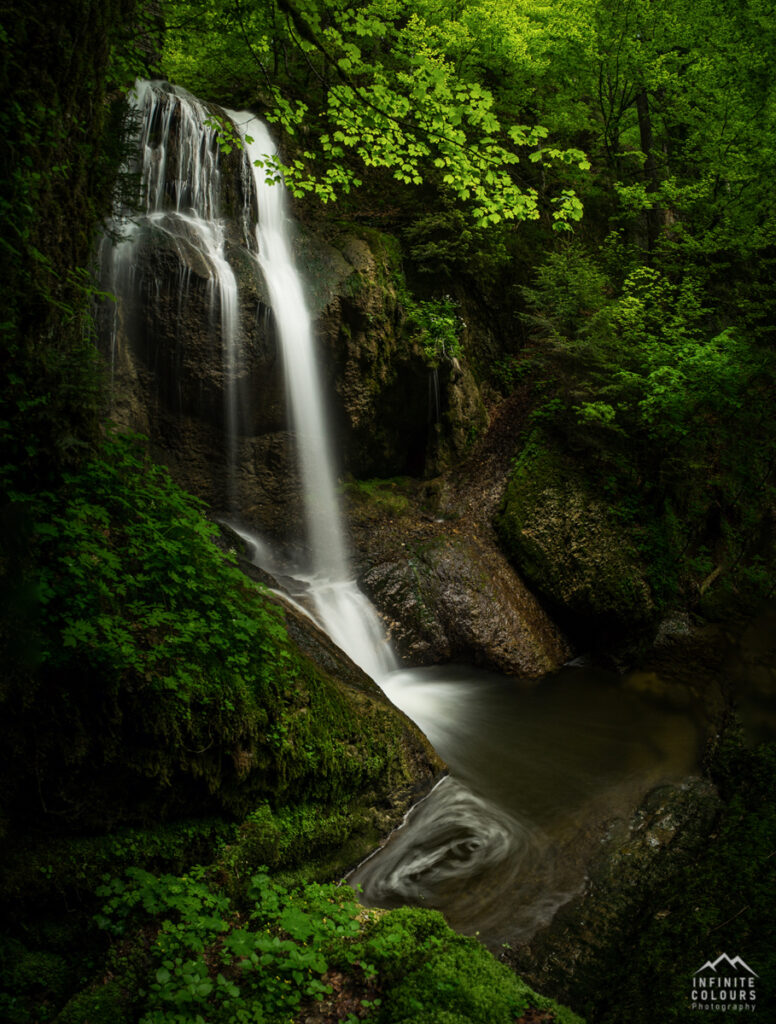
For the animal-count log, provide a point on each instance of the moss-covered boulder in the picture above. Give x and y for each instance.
(565, 541)
(156, 683)
(689, 877)
(577, 956)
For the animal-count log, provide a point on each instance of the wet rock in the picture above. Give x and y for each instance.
(394, 412)
(380, 379)
(444, 590)
(461, 416)
(674, 629)
(169, 380)
(570, 956)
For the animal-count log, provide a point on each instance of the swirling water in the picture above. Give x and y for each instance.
(539, 771)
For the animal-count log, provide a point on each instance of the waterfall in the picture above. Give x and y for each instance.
(434, 404)
(343, 610)
(537, 771)
(295, 330)
(180, 197)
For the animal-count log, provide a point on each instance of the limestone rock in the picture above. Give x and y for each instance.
(380, 380)
(668, 830)
(444, 590)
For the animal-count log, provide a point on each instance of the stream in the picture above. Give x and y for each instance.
(538, 770)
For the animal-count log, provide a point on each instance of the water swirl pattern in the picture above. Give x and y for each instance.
(461, 853)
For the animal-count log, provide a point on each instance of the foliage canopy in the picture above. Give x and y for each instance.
(380, 85)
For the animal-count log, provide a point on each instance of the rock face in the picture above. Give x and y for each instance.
(573, 956)
(391, 413)
(394, 413)
(454, 598)
(212, 399)
(563, 540)
(169, 381)
(444, 589)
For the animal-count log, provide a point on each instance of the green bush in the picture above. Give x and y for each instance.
(660, 406)
(161, 681)
(437, 327)
(132, 586)
(184, 951)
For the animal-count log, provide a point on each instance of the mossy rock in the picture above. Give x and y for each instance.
(431, 975)
(688, 877)
(102, 1004)
(563, 538)
(238, 706)
(41, 870)
(302, 844)
(419, 969)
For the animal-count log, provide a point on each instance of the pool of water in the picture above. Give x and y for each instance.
(538, 771)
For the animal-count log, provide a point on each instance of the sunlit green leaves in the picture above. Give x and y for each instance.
(395, 89)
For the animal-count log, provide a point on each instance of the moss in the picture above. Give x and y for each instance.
(301, 843)
(398, 966)
(385, 247)
(42, 870)
(567, 543)
(169, 687)
(378, 497)
(31, 980)
(102, 1004)
(430, 975)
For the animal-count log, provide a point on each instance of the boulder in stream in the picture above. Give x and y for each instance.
(444, 589)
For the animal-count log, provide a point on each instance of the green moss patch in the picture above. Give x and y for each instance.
(567, 543)
(184, 950)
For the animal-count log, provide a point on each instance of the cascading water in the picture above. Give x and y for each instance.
(463, 847)
(434, 404)
(501, 843)
(342, 609)
(303, 385)
(180, 196)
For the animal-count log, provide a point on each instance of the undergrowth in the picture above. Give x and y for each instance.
(184, 952)
(159, 680)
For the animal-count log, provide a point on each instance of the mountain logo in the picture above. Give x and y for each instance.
(727, 983)
(724, 962)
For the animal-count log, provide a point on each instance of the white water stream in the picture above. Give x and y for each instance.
(180, 197)
(342, 610)
(498, 845)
